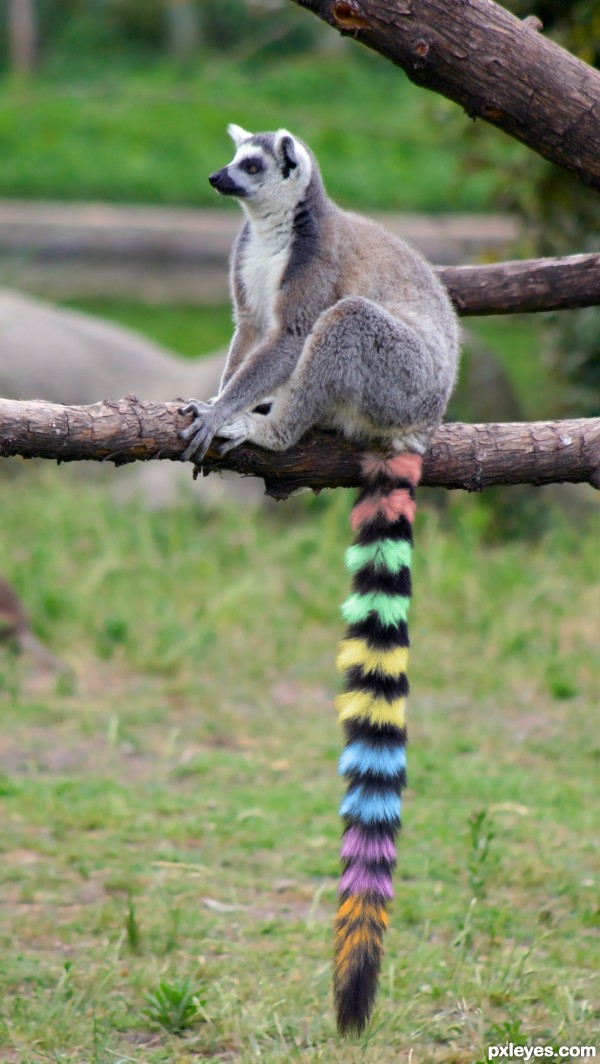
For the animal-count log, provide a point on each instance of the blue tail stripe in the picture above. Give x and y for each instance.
(371, 808)
(379, 761)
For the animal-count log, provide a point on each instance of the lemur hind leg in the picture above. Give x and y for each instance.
(353, 346)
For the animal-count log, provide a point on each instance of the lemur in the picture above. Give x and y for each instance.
(339, 324)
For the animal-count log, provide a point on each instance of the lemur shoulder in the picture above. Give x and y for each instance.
(339, 324)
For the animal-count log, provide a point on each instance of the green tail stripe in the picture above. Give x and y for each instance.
(390, 554)
(390, 609)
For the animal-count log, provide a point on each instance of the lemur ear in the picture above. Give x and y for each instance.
(287, 152)
(237, 134)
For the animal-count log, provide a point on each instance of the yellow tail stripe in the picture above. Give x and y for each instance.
(376, 710)
(358, 652)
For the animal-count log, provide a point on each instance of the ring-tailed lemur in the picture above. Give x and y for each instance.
(341, 325)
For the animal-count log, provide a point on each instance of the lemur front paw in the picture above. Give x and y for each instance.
(201, 431)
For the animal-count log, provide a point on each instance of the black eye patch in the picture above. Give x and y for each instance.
(251, 166)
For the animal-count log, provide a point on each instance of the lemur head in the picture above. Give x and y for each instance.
(268, 170)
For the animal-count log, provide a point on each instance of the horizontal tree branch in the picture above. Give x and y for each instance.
(523, 286)
(461, 456)
(496, 67)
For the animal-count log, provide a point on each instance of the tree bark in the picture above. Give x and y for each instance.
(472, 457)
(529, 285)
(495, 66)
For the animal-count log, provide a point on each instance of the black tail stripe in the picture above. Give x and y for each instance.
(377, 684)
(384, 735)
(371, 578)
(379, 528)
(379, 636)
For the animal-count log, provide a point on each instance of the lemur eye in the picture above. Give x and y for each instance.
(251, 166)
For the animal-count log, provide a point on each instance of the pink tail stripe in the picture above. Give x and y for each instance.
(399, 467)
(397, 504)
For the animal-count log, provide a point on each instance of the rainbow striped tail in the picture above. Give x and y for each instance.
(373, 657)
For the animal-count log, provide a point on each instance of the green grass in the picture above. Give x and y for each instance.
(153, 135)
(169, 818)
(185, 329)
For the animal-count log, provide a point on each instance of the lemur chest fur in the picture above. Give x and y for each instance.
(264, 257)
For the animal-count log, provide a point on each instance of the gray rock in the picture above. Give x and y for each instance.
(67, 357)
(64, 356)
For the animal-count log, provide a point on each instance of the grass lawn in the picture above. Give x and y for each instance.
(169, 844)
(151, 135)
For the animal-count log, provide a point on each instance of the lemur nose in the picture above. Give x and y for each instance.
(215, 178)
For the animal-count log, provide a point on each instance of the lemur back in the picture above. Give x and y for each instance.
(341, 325)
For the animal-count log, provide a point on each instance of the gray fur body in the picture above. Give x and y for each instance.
(338, 323)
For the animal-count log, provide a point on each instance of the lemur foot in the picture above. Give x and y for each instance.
(234, 433)
(229, 445)
(206, 425)
(244, 427)
(201, 431)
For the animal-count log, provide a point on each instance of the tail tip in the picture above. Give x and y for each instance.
(354, 1003)
(351, 1025)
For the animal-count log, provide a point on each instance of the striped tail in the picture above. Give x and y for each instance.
(373, 657)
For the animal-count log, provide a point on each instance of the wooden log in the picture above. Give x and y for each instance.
(524, 286)
(496, 67)
(472, 457)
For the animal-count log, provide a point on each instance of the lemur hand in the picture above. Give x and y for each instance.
(201, 431)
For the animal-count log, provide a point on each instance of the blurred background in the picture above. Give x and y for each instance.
(165, 646)
(123, 104)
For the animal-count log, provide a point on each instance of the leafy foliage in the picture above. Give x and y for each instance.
(88, 29)
(563, 217)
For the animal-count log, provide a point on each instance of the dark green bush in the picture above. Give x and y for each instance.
(79, 31)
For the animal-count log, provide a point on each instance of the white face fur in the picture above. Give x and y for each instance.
(269, 172)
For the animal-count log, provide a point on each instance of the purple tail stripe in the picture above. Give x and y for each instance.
(358, 880)
(357, 845)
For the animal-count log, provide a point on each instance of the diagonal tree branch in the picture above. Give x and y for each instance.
(496, 67)
(461, 456)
